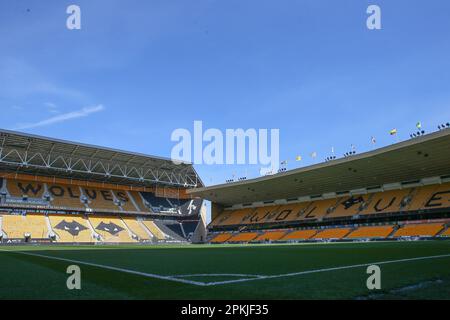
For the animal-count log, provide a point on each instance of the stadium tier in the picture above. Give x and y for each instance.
(77, 228)
(71, 228)
(420, 230)
(384, 232)
(395, 192)
(399, 201)
(271, 236)
(68, 192)
(75, 197)
(380, 232)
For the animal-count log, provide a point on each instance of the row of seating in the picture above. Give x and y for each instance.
(405, 200)
(79, 228)
(363, 232)
(78, 197)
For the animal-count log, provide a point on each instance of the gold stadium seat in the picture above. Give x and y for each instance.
(292, 212)
(100, 199)
(440, 198)
(221, 238)
(65, 196)
(320, 208)
(405, 200)
(422, 229)
(371, 232)
(387, 202)
(260, 215)
(125, 200)
(271, 235)
(154, 230)
(421, 196)
(349, 206)
(18, 188)
(231, 217)
(111, 229)
(17, 226)
(136, 228)
(243, 237)
(71, 228)
(446, 233)
(138, 200)
(300, 235)
(334, 233)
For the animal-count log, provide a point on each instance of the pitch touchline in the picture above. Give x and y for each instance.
(324, 270)
(215, 275)
(198, 283)
(147, 275)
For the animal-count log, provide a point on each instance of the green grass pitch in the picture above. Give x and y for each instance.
(227, 271)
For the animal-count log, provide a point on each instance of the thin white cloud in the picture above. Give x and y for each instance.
(51, 107)
(62, 117)
(20, 79)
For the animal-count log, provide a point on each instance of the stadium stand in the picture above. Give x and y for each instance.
(157, 204)
(22, 226)
(419, 230)
(389, 201)
(189, 228)
(422, 196)
(100, 199)
(260, 215)
(171, 229)
(446, 232)
(299, 235)
(221, 238)
(371, 232)
(349, 206)
(332, 233)
(139, 201)
(243, 237)
(190, 207)
(19, 189)
(154, 230)
(65, 196)
(125, 201)
(271, 236)
(394, 201)
(136, 228)
(71, 228)
(111, 229)
(78, 193)
(319, 209)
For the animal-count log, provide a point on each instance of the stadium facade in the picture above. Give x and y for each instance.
(55, 191)
(401, 191)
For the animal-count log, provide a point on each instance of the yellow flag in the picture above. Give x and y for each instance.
(393, 131)
(298, 158)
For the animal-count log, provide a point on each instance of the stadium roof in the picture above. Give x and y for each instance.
(36, 155)
(427, 156)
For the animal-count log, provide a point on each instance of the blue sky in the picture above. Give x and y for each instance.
(137, 70)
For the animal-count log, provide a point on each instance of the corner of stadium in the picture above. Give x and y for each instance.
(60, 192)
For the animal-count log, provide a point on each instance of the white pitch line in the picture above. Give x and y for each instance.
(147, 275)
(256, 277)
(324, 270)
(216, 275)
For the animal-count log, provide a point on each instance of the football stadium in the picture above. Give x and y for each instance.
(135, 224)
(224, 159)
